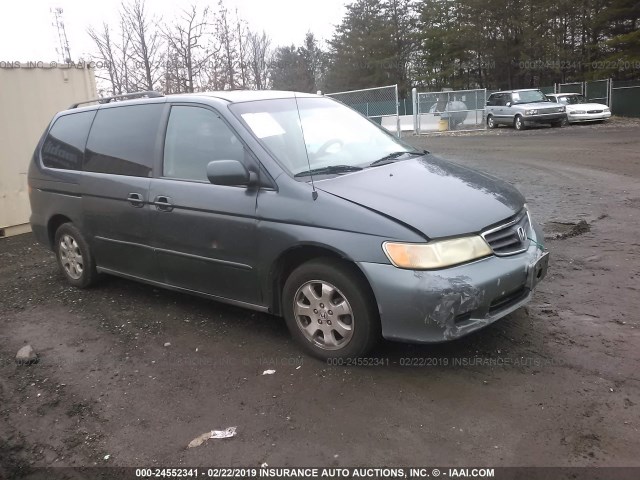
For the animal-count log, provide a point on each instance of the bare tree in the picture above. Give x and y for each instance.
(191, 46)
(259, 57)
(114, 57)
(105, 46)
(172, 77)
(226, 38)
(146, 45)
(189, 54)
(242, 39)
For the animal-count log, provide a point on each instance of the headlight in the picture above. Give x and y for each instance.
(439, 254)
(562, 109)
(607, 109)
(530, 112)
(579, 112)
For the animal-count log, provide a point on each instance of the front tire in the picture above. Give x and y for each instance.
(74, 256)
(491, 123)
(518, 123)
(330, 310)
(557, 124)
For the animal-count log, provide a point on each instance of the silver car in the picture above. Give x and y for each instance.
(523, 108)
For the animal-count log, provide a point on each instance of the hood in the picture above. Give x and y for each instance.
(435, 197)
(586, 106)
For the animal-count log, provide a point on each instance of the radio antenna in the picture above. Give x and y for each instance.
(314, 194)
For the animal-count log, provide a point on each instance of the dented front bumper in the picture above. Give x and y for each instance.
(436, 306)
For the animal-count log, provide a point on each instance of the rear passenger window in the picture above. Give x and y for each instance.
(122, 140)
(64, 145)
(195, 137)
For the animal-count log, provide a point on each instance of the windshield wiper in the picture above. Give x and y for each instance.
(393, 157)
(329, 170)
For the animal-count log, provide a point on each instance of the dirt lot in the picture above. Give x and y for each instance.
(555, 383)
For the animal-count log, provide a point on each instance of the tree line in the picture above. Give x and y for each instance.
(428, 44)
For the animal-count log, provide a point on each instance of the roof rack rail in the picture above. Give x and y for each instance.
(126, 96)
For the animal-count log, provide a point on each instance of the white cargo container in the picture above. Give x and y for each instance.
(30, 95)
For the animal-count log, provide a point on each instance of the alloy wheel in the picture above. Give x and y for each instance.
(323, 314)
(519, 123)
(71, 257)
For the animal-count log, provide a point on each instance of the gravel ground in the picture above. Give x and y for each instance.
(130, 374)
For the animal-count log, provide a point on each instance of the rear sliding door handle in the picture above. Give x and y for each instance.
(163, 203)
(135, 199)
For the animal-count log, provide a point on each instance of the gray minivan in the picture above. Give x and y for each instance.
(291, 204)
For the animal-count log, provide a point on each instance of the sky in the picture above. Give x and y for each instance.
(27, 32)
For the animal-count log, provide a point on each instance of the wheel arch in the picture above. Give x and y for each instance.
(292, 258)
(53, 224)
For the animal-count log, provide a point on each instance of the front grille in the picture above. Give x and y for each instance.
(594, 111)
(550, 110)
(506, 239)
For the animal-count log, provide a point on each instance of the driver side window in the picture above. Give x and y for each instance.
(195, 137)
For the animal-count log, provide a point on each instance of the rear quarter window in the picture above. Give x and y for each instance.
(123, 140)
(64, 145)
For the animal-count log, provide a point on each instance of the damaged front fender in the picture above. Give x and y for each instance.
(436, 306)
(454, 299)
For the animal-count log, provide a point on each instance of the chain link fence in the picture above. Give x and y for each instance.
(464, 110)
(459, 110)
(597, 91)
(625, 98)
(379, 104)
(575, 87)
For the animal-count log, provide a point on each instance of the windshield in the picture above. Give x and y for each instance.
(572, 99)
(529, 96)
(334, 135)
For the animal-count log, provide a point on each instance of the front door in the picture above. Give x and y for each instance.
(204, 235)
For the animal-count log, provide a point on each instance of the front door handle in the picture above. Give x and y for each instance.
(135, 199)
(163, 203)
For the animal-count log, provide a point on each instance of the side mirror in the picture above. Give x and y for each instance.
(508, 104)
(229, 172)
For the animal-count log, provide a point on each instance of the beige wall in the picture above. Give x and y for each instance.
(29, 98)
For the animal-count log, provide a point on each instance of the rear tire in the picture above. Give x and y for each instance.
(330, 310)
(491, 123)
(518, 123)
(74, 256)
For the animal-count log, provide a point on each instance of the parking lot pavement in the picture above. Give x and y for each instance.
(130, 374)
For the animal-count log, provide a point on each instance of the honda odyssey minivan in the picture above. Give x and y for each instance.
(287, 203)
